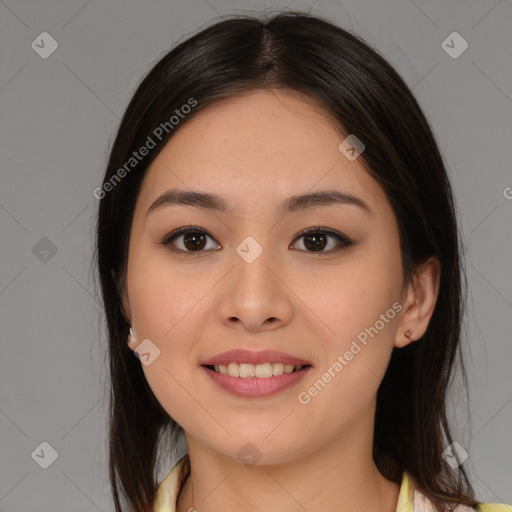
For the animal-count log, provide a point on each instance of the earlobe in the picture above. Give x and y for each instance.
(132, 340)
(420, 303)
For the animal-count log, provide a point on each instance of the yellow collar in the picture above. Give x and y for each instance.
(406, 496)
(168, 490)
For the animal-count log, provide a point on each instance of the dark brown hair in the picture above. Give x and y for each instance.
(367, 97)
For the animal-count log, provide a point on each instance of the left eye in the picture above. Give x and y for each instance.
(316, 240)
(194, 239)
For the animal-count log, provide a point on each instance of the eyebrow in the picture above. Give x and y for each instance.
(295, 203)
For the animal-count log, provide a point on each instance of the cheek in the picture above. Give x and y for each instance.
(354, 296)
(361, 308)
(162, 295)
(169, 298)
(165, 307)
(352, 363)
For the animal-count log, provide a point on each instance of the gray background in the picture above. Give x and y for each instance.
(59, 116)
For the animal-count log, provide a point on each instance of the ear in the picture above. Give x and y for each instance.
(419, 302)
(123, 296)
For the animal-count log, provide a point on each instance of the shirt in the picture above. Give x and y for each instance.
(409, 498)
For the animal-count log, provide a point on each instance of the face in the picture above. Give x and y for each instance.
(246, 277)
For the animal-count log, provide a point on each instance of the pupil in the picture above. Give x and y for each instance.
(318, 241)
(198, 240)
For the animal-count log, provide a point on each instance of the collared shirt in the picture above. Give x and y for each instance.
(409, 498)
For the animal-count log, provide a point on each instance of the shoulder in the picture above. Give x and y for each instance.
(412, 500)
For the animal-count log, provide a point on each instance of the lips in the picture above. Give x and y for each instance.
(248, 357)
(254, 387)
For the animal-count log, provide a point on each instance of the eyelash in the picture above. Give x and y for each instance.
(343, 240)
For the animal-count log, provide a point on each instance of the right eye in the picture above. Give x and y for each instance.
(193, 239)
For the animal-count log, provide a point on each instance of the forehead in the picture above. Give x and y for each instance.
(258, 148)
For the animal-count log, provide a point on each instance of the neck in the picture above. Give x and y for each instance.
(341, 477)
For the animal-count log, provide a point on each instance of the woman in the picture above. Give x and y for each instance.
(277, 241)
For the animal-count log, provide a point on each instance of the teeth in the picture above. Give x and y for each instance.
(263, 371)
(277, 368)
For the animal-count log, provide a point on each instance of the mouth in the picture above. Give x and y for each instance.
(250, 374)
(259, 371)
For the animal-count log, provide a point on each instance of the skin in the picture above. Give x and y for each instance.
(256, 150)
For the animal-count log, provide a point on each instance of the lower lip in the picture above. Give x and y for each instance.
(255, 387)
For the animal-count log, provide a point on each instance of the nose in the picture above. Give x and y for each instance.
(255, 296)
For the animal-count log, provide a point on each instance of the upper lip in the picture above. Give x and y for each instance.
(245, 356)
